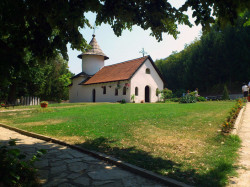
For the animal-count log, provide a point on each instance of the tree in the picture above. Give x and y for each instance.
(225, 95)
(219, 57)
(43, 28)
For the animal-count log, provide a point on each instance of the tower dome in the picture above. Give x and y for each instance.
(92, 59)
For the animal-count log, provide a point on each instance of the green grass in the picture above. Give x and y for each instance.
(177, 140)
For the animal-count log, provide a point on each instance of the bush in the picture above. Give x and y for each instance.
(14, 171)
(166, 94)
(123, 101)
(228, 124)
(188, 99)
(175, 99)
(201, 99)
(179, 93)
(225, 95)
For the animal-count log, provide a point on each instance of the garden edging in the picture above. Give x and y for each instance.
(109, 159)
(238, 121)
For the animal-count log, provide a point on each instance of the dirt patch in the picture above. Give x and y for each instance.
(46, 122)
(72, 139)
(164, 142)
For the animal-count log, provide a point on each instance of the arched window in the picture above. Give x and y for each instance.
(136, 91)
(124, 90)
(116, 91)
(147, 71)
(104, 89)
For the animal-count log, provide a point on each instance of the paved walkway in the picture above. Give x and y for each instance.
(244, 162)
(65, 167)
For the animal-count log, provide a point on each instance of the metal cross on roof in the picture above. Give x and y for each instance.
(143, 52)
(94, 28)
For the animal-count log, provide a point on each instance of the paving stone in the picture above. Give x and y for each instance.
(77, 166)
(58, 169)
(57, 163)
(72, 160)
(43, 176)
(75, 153)
(101, 183)
(66, 185)
(41, 163)
(108, 174)
(55, 182)
(83, 181)
(74, 175)
(65, 156)
(89, 158)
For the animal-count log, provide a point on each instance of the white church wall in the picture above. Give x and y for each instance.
(92, 64)
(75, 89)
(141, 80)
(84, 93)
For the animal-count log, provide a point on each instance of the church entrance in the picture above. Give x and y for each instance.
(93, 95)
(147, 94)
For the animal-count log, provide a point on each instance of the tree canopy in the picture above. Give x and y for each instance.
(43, 28)
(220, 57)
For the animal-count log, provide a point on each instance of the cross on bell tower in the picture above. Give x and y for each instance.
(143, 52)
(94, 28)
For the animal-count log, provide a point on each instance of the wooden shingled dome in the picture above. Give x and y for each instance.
(95, 50)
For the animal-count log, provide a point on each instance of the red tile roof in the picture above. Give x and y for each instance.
(117, 72)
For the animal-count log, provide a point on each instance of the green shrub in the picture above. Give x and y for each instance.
(201, 99)
(14, 170)
(178, 93)
(188, 99)
(123, 101)
(175, 99)
(225, 95)
(166, 94)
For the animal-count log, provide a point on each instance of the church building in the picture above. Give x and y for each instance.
(134, 80)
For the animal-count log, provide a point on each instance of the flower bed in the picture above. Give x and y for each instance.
(228, 124)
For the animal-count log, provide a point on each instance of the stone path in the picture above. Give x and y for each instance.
(244, 162)
(65, 167)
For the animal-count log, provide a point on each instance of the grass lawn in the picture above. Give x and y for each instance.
(177, 140)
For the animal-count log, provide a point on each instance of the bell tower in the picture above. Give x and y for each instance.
(92, 59)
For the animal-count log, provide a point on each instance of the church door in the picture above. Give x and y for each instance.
(147, 94)
(93, 95)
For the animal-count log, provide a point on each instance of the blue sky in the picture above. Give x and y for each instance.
(128, 45)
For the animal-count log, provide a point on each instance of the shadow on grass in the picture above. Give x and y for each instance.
(132, 155)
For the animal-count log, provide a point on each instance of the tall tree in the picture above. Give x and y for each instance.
(219, 57)
(45, 26)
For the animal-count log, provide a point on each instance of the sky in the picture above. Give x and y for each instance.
(130, 43)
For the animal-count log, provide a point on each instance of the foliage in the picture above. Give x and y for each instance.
(133, 97)
(123, 101)
(228, 124)
(14, 171)
(175, 99)
(166, 94)
(44, 102)
(201, 99)
(188, 99)
(219, 57)
(225, 95)
(139, 134)
(48, 80)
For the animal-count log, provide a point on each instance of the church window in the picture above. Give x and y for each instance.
(116, 91)
(136, 91)
(157, 92)
(147, 71)
(124, 90)
(104, 89)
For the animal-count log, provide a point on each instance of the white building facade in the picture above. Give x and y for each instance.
(139, 78)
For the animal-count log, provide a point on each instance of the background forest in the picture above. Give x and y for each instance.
(47, 79)
(220, 57)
